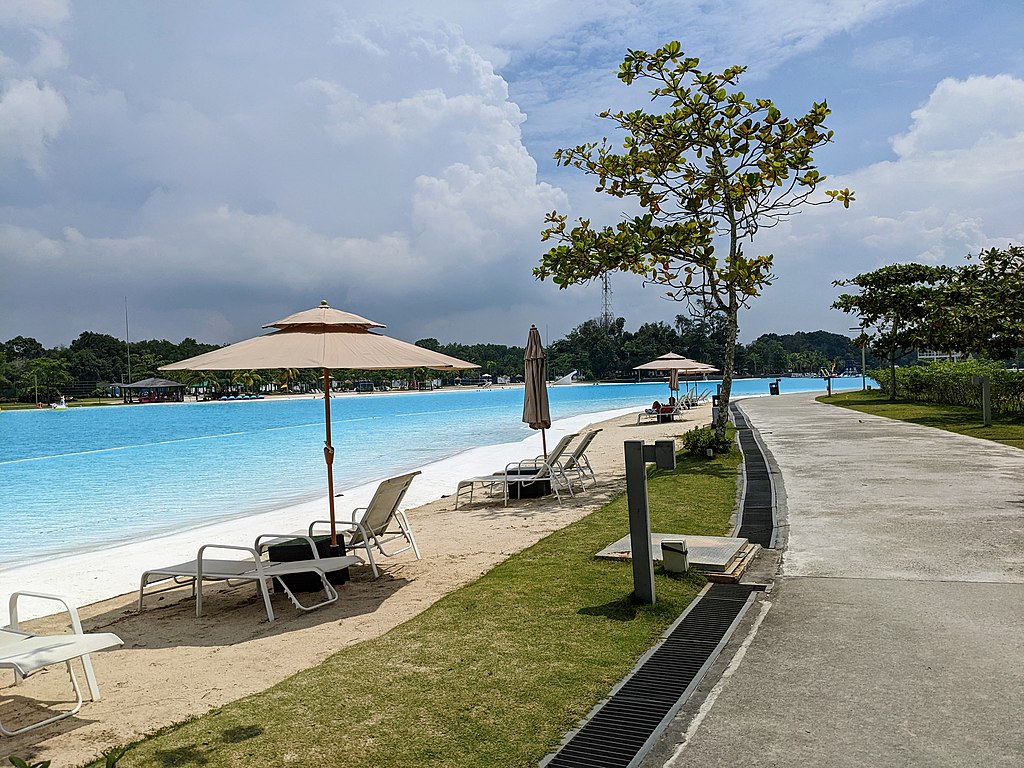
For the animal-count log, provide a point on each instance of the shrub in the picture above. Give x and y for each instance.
(699, 440)
(950, 383)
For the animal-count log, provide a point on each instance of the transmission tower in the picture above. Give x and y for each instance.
(607, 318)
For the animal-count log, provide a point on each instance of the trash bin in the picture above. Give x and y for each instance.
(675, 557)
(298, 549)
(773, 387)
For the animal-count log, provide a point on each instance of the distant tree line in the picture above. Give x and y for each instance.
(609, 352)
(94, 362)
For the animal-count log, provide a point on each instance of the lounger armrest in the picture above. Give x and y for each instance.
(518, 466)
(354, 520)
(76, 623)
(276, 537)
(234, 547)
(350, 526)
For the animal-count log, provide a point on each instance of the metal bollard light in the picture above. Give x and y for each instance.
(638, 455)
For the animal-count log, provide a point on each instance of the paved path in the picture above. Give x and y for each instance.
(894, 635)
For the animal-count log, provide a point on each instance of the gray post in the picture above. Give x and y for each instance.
(986, 398)
(639, 522)
(663, 453)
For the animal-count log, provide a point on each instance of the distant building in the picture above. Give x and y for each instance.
(931, 356)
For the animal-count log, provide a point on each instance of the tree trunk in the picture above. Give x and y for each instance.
(732, 328)
(892, 376)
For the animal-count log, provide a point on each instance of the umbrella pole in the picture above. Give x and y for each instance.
(544, 442)
(329, 454)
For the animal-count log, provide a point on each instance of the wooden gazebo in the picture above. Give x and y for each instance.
(154, 390)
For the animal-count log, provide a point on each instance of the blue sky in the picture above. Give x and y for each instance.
(223, 165)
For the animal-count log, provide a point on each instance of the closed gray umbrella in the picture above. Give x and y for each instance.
(536, 411)
(325, 338)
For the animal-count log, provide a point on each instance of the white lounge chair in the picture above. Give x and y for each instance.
(578, 462)
(525, 473)
(380, 522)
(203, 568)
(26, 653)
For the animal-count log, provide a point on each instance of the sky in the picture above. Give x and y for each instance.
(213, 167)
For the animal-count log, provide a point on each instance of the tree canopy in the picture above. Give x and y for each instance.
(710, 171)
(975, 308)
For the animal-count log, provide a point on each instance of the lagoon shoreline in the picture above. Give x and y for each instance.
(199, 663)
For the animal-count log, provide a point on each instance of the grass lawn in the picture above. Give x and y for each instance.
(494, 674)
(952, 418)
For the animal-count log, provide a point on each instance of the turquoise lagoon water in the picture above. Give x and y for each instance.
(88, 477)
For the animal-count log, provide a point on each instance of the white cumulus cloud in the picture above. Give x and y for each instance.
(31, 115)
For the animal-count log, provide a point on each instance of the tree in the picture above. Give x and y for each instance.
(702, 336)
(898, 308)
(49, 374)
(23, 347)
(984, 305)
(592, 348)
(6, 373)
(710, 171)
(285, 377)
(650, 341)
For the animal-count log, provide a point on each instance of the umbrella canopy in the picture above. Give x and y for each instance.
(674, 362)
(325, 338)
(320, 338)
(673, 380)
(536, 411)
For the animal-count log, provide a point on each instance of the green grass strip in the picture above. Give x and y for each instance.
(1008, 430)
(493, 674)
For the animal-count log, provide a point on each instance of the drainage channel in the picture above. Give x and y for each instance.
(757, 503)
(621, 730)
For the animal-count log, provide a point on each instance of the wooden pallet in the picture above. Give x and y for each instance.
(736, 568)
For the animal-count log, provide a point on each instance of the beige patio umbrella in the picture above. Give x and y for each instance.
(323, 338)
(536, 411)
(673, 362)
(675, 365)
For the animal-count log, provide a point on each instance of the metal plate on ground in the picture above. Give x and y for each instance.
(708, 553)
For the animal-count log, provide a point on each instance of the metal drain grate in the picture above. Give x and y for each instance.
(757, 509)
(623, 729)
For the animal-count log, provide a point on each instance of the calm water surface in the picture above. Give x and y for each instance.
(87, 477)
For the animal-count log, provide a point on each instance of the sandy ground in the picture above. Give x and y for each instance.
(174, 665)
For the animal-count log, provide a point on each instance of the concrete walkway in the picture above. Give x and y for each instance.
(894, 632)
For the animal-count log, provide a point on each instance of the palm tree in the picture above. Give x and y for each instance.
(243, 378)
(285, 377)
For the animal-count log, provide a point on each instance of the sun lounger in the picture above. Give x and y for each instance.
(204, 568)
(525, 473)
(26, 653)
(378, 523)
(578, 462)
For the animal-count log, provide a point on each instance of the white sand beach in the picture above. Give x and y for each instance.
(174, 665)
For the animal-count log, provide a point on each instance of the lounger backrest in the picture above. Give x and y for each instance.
(584, 444)
(555, 456)
(555, 453)
(385, 501)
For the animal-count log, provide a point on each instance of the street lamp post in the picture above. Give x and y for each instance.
(863, 360)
